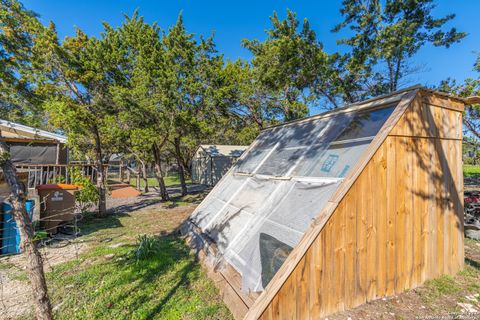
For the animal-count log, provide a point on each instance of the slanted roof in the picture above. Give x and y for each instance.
(15, 130)
(116, 157)
(217, 150)
(290, 168)
(403, 122)
(273, 203)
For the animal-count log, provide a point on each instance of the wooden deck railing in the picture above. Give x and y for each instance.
(37, 174)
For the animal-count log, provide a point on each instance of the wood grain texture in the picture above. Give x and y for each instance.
(442, 101)
(429, 121)
(401, 218)
(400, 212)
(391, 215)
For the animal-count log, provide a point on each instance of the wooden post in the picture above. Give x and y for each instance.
(57, 159)
(138, 180)
(41, 175)
(120, 171)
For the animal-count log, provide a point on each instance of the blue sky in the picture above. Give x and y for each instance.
(232, 21)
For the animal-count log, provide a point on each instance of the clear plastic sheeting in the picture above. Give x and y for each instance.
(286, 221)
(260, 210)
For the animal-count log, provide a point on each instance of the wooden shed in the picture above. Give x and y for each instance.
(31, 150)
(33, 146)
(326, 213)
(211, 161)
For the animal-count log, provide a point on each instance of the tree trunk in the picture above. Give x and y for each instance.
(102, 190)
(187, 167)
(181, 169)
(41, 301)
(159, 174)
(144, 175)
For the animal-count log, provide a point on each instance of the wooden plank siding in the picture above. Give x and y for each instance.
(399, 224)
(311, 234)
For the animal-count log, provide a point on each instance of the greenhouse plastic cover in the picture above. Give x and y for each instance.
(260, 210)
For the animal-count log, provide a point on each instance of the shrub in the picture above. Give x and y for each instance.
(88, 195)
(146, 247)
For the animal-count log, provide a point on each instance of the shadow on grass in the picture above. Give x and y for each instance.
(90, 223)
(191, 187)
(184, 280)
(473, 263)
(172, 252)
(140, 204)
(163, 283)
(185, 200)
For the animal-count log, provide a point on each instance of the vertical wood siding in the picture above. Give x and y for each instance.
(401, 222)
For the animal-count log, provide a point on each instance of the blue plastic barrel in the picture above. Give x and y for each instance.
(11, 235)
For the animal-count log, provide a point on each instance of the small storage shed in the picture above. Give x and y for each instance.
(328, 212)
(33, 146)
(211, 162)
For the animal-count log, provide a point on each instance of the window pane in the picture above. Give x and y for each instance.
(343, 152)
(366, 124)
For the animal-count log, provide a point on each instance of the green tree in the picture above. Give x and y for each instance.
(78, 75)
(142, 99)
(19, 29)
(192, 92)
(387, 35)
(249, 101)
(288, 63)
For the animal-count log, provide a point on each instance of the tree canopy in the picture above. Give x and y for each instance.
(19, 32)
(155, 95)
(387, 34)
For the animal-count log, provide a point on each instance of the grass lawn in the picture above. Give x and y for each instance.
(152, 182)
(111, 278)
(471, 170)
(108, 281)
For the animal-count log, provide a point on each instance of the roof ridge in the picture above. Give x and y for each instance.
(347, 106)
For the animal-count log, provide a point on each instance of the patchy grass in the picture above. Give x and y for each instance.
(108, 281)
(471, 171)
(187, 200)
(152, 182)
(445, 285)
(14, 272)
